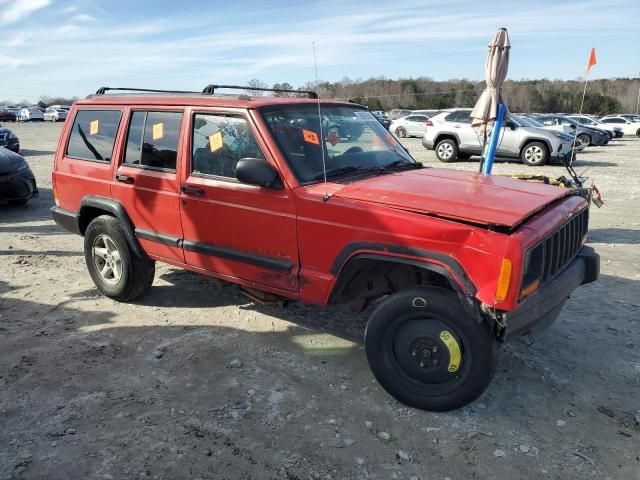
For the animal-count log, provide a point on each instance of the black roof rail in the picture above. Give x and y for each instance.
(103, 90)
(210, 90)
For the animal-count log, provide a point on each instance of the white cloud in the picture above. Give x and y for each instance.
(13, 10)
(82, 17)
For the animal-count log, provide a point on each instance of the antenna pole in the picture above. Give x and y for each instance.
(324, 165)
(638, 102)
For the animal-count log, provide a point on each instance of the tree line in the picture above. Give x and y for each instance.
(605, 96)
(618, 95)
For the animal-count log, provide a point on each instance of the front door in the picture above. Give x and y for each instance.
(233, 229)
(146, 180)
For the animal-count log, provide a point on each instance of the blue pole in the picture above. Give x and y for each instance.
(493, 140)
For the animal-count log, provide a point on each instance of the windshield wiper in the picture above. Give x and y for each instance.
(401, 162)
(336, 172)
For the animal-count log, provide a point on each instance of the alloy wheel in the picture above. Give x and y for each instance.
(107, 259)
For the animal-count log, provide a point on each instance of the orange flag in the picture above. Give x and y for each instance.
(592, 61)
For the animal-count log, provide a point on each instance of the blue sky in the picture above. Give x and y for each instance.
(71, 47)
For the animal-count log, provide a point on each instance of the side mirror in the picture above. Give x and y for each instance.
(257, 171)
(512, 126)
(572, 126)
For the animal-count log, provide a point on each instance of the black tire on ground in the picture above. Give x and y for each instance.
(447, 150)
(535, 154)
(638, 133)
(464, 156)
(584, 139)
(400, 132)
(135, 273)
(426, 352)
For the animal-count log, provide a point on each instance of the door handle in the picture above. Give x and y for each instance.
(457, 126)
(192, 190)
(125, 179)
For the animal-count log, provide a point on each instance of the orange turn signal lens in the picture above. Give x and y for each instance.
(503, 281)
(530, 289)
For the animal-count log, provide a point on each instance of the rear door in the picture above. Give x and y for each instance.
(83, 164)
(146, 179)
(237, 230)
(416, 125)
(469, 139)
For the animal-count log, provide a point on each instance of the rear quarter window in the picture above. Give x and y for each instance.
(93, 135)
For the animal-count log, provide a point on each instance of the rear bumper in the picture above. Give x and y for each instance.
(542, 308)
(427, 143)
(66, 219)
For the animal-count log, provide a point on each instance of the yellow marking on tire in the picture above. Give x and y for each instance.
(454, 351)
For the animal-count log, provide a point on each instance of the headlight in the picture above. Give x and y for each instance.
(533, 268)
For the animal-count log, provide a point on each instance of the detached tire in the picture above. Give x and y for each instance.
(447, 150)
(535, 154)
(114, 267)
(426, 352)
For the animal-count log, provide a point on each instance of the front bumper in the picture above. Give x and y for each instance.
(542, 308)
(18, 186)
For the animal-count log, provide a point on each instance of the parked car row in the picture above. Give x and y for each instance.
(54, 113)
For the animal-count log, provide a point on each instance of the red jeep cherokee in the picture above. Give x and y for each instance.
(315, 201)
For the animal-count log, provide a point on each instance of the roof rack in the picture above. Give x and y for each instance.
(210, 90)
(103, 90)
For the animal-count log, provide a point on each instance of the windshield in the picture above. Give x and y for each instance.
(527, 121)
(353, 140)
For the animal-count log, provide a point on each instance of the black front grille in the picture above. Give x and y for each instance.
(563, 245)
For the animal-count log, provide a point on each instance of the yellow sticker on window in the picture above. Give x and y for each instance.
(454, 351)
(157, 131)
(94, 127)
(215, 141)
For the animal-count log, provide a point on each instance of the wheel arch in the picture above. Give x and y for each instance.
(366, 271)
(529, 140)
(92, 207)
(445, 136)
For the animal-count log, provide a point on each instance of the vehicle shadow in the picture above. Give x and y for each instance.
(36, 210)
(626, 236)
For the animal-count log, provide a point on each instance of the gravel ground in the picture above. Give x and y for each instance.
(194, 381)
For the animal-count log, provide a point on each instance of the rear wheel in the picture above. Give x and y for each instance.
(114, 267)
(535, 154)
(426, 352)
(401, 132)
(447, 150)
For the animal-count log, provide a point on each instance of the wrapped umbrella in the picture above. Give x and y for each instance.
(491, 108)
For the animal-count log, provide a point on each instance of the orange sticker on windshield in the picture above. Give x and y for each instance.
(310, 137)
(157, 131)
(390, 138)
(94, 127)
(215, 141)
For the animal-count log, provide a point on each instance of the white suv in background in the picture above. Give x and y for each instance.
(451, 136)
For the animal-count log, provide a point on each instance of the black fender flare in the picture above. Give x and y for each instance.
(114, 208)
(436, 262)
(445, 134)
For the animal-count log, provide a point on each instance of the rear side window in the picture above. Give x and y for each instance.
(464, 116)
(152, 141)
(452, 117)
(93, 134)
(219, 142)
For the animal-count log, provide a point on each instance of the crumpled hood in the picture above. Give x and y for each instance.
(9, 161)
(465, 196)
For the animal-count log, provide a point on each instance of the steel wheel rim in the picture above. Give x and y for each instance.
(533, 154)
(107, 259)
(400, 132)
(445, 150)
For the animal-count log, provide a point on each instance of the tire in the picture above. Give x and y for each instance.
(129, 275)
(638, 133)
(401, 132)
(464, 156)
(426, 352)
(447, 150)
(584, 139)
(535, 154)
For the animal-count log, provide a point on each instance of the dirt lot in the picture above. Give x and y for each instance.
(90, 388)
